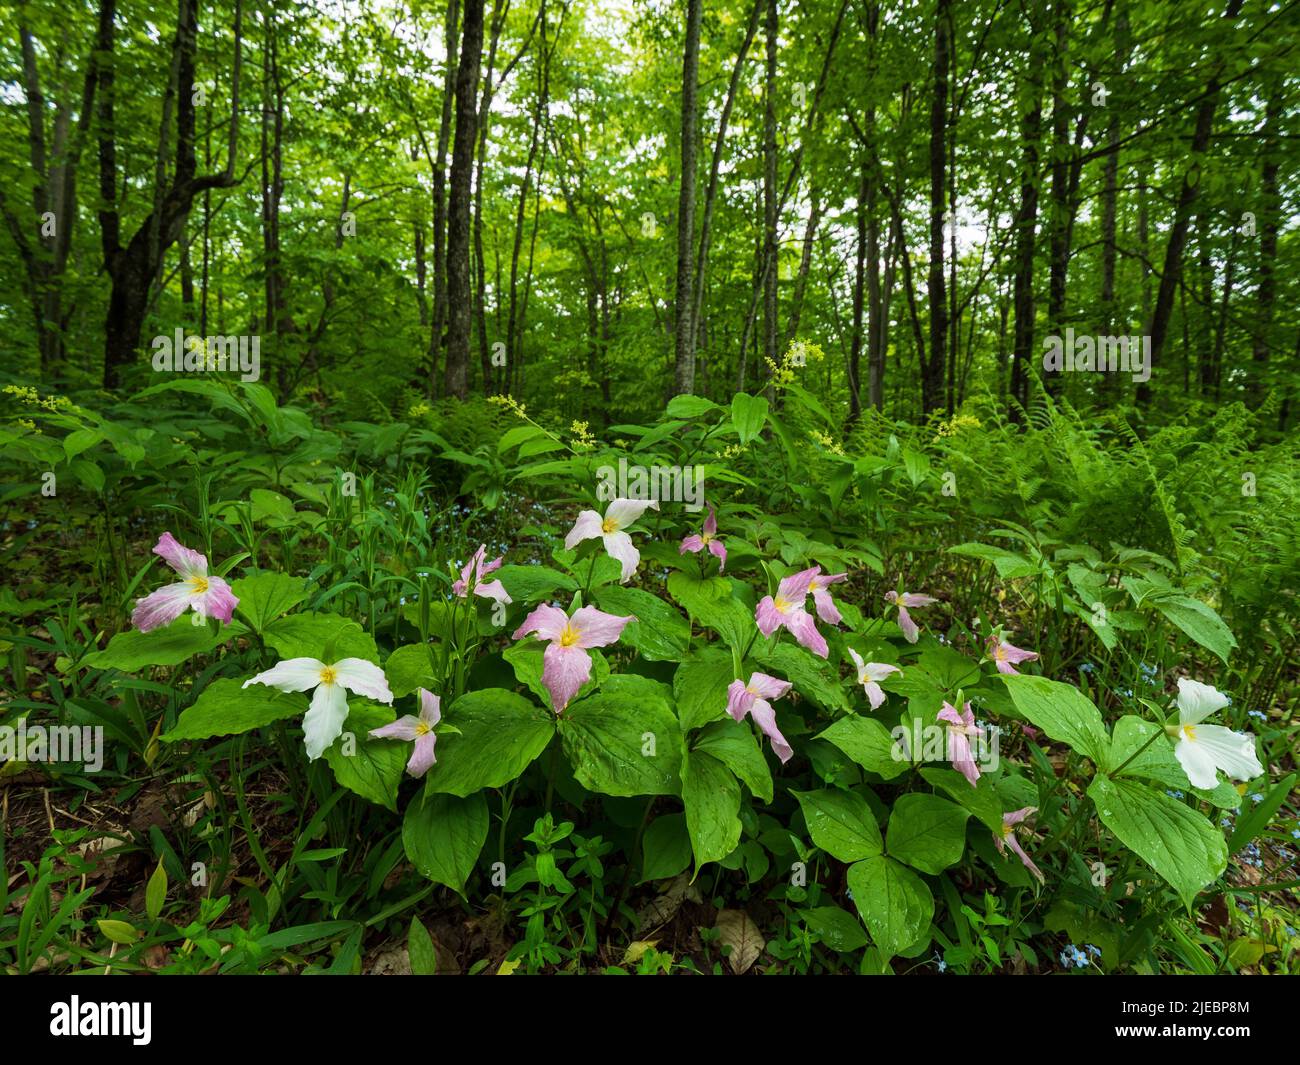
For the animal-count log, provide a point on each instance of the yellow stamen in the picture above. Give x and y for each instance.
(327, 675)
(421, 727)
(1189, 731)
(199, 585)
(781, 605)
(609, 525)
(569, 636)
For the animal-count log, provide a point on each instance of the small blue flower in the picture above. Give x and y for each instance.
(940, 964)
(1087, 667)
(1225, 822)
(1295, 833)
(1257, 798)
(1173, 793)
(1258, 715)
(1094, 951)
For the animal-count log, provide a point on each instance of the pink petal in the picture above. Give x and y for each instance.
(1014, 844)
(962, 759)
(875, 694)
(219, 601)
(545, 620)
(826, 608)
(422, 758)
(739, 700)
(493, 590)
(804, 629)
(910, 632)
(692, 544)
(596, 628)
(585, 528)
(767, 617)
(794, 588)
(184, 561)
(404, 728)
(719, 552)
(768, 687)
(711, 522)
(161, 607)
(430, 707)
(765, 717)
(912, 599)
(564, 671)
(490, 567)
(1016, 816)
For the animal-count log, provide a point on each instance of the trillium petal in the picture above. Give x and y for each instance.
(422, 756)
(878, 671)
(493, 590)
(585, 528)
(1014, 844)
(692, 544)
(430, 707)
(404, 728)
(804, 629)
(765, 717)
(795, 588)
(364, 678)
(161, 607)
(910, 632)
(1197, 701)
(711, 522)
(768, 687)
(219, 601)
(719, 551)
(623, 512)
(619, 545)
(183, 560)
(767, 617)
(290, 675)
(546, 621)
(875, 694)
(913, 599)
(739, 700)
(596, 628)
(1232, 752)
(963, 760)
(564, 671)
(323, 722)
(858, 663)
(826, 608)
(1197, 763)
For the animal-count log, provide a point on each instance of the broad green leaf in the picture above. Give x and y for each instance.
(712, 799)
(709, 602)
(748, 413)
(155, 892)
(926, 832)
(700, 687)
(840, 823)
(528, 584)
(168, 646)
(526, 658)
(867, 742)
(1063, 712)
(325, 637)
(894, 902)
(370, 767)
(837, 928)
(981, 800)
(1256, 819)
(500, 735)
(264, 596)
(419, 949)
(226, 708)
(659, 633)
(665, 848)
(1198, 621)
(733, 744)
(1176, 841)
(810, 675)
(620, 744)
(408, 668)
(443, 835)
(1157, 761)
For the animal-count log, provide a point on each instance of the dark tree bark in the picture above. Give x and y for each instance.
(684, 370)
(460, 200)
(451, 39)
(1025, 226)
(770, 262)
(933, 367)
(1271, 205)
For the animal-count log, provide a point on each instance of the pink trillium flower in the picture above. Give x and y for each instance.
(708, 538)
(786, 610)
(208, 596)
(752, 699)
(1007, 838)
(478, 569)
(904, 600)
(961, 727)
(1006, 657)
(826, 608)
(566, 663)
(618, 516)
(419, 729)
(323, 722)
(870, 674)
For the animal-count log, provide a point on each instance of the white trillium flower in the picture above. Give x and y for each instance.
(618, 516)
(1203, 749)
(323, 722)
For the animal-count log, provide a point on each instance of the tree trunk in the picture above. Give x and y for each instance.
(933, 367)
(684, 370)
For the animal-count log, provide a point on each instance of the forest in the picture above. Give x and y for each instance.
(649, 487)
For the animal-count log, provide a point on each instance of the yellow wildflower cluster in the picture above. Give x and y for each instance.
(418, 410)
(732, 450)
(582, 438)
(956, 423)
(511, 404)
(799, 354)
(33, 398)
(828, 442)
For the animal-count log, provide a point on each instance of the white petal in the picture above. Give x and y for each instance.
(323, 723)
(619, 546)
(364, 678)
(1197, 701)
(1197, 763)
(623, 512)
(1232, 752)
(291, 675)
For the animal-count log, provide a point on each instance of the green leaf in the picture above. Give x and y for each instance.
(700, 687)
(748, 413)
(665, 848)
(981, 800)
(325, 637)
(1176, 841)
(867, 742)
(443, 835)
(1157, 761)
(709, 602)
(810, 674)
(268, 505)
(734, 745)
(526, 658)
(837, 928)
(926, 832)
(410, 667)
(155, 892)
(1008, 564)
(119, 932)
(500, 735)
(712, 799)
(894, 902)
(687, 406)
(419, 948)
(528, 584)
(370, 767)
(226, 708)
(1063, 712)
(1198, 621)
(621, 744)
(659, 633)
(168, 646)
(840, 823)
(1255, 820)
(264, 596)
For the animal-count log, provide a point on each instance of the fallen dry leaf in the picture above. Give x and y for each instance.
(741, 934)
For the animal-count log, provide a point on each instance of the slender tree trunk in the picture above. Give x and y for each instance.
(684, 370)
(770, 253)
(932, 368)
(1266, 292)
(451, 38)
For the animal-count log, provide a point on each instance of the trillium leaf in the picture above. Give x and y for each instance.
(264, 596)
(167, 646)
(528, 584)
(894, 902)
(700, 687)
(501, 733)
(370, 767)
(733, 744)
(443, 835)
(327, 637)
(837, 928)
(1157, 762)
(410, 667)
(867, 742)
(659, 632)
(1176, 841)
(1063, 712)
(526, 659)
(226, 708)
(840, 823)
(712, 799)
(665, 848)
(926, 832)
(622, 744)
